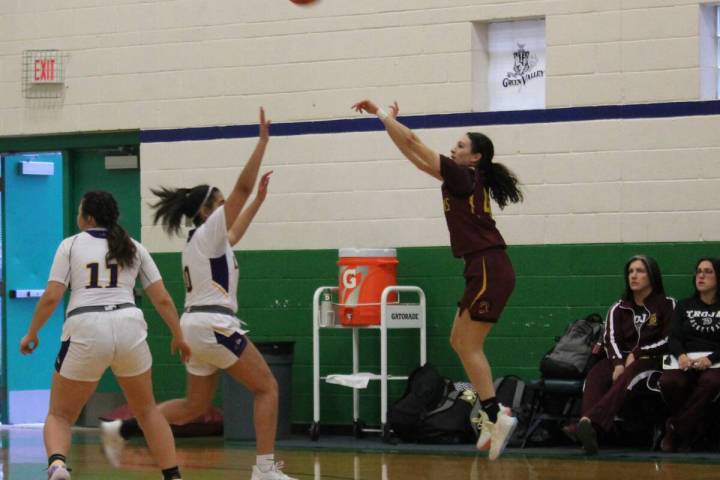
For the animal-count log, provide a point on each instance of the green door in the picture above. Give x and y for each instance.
(88, 172)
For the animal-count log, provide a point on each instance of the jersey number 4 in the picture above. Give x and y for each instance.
(95, 275)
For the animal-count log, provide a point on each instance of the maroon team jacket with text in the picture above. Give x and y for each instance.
(640, 330)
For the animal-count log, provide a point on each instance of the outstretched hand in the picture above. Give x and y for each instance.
(263, 186)
(366, 106)
(264, 126)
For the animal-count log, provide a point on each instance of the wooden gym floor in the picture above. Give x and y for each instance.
(340, 458)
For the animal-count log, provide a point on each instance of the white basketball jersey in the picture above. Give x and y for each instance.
(209, 266)
(80, 265)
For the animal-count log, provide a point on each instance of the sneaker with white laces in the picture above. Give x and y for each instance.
(275, 473)
(58, 472)
(112, 442)
(500, 434)
(483, 442)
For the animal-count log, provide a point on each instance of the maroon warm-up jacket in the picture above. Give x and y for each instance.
(638, 329)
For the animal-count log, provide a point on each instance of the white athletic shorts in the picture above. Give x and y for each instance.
(94, 341)
(217, 340)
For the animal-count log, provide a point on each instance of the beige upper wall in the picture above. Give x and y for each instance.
(609, 181)
(181, 63)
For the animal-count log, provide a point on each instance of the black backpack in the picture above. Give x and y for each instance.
(423, 393)
(450, 422)
(572, 355)
(510, 391)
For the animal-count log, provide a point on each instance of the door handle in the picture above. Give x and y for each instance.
(32, 293)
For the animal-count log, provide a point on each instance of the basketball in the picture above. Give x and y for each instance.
(303, 2)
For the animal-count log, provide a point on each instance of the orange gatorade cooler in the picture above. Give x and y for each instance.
(363, 275)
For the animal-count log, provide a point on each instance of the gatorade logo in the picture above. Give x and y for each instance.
(404, 316)
(351, 282)
(349, 278)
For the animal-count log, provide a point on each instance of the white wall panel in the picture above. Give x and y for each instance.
(181, 63)
(584, 182)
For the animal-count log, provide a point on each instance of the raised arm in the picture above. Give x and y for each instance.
(45, 307)
(242, 222)
(409, 144)
(237, 198)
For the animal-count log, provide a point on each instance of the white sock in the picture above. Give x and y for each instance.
(265, 462)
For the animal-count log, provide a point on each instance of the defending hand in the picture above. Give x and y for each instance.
(394, 109)
(264, 126)
(263, 186)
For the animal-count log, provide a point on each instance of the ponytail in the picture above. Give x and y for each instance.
(174, 203)
(120, 246)
(501, 181)
(503, 184)
(102, 207)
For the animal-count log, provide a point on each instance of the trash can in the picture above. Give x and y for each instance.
(238, 401)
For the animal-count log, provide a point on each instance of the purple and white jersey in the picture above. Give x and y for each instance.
(209, 266)
(80, 265)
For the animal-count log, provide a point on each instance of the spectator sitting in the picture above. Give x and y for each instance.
(691, 383)
(635, 338)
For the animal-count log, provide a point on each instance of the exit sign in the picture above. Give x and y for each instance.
(44, 67)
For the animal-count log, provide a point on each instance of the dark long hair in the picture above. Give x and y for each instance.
(102, 207)
(716, 266)
(654, 274)
(502, 183)
(174, 203)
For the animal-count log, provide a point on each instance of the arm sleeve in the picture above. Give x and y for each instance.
(676, 340)
(458, 179)
(612, 347)
(60, 269)
(212, 235)
(148, 271)
(659, 346)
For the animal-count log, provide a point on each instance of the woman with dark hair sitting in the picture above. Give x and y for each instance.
(691, 380)
(635, 338)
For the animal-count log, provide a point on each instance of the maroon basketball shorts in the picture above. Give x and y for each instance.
(489, 281)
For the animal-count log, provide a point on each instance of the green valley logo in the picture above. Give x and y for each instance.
(524, 64)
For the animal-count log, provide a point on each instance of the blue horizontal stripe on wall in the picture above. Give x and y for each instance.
(367, 124)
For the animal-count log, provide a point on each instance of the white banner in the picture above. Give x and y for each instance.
(516, 75)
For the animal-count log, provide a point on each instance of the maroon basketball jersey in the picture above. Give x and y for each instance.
(466, 202)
